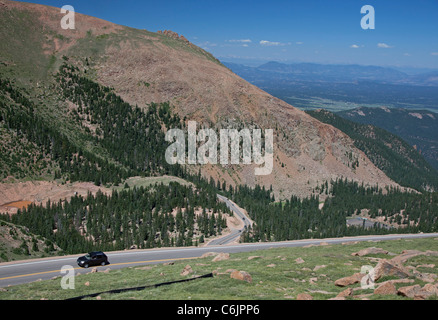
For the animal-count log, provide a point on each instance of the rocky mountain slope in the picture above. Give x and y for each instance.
(399, 160)
(417, 127)
(144, 67)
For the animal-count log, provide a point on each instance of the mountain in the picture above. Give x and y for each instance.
(333, 73)
(418, 127)
(428, 79)
(62, 89)
(341, 73)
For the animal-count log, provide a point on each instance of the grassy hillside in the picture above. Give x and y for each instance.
(276, 274)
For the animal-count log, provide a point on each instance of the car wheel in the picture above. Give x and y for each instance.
(103, 263)
(86, 266)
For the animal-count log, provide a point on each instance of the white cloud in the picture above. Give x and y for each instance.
(299, 42)
(240, 41)
(269, 43)
(434, 53)
(207, 44)
(354, 46)
(272, 43)
(384, 45)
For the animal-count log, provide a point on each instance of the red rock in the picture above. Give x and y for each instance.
(355, 278)
(304, 296)
(368, 251)
(389, 268)
(346, 293)
(409, 291)
(241, 275)
(187, 270)
(386, 288)
(221, 256)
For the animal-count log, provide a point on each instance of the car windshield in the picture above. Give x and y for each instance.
(87, 256)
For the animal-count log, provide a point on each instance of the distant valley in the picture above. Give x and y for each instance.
(342, 87)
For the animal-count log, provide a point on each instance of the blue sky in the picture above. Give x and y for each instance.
(321, 31)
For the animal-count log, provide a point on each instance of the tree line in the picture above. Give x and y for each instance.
(302, 218)
(147, 217)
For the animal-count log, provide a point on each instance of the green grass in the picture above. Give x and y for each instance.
(137, 182)
(284, 281)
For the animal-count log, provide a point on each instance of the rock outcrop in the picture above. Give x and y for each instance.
(367, 251)
(241, 275)
(173, 35)
(393, 268)
(346, 281)
(389, 268)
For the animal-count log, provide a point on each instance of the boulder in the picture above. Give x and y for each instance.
(346, 281)
(299, 260)
(368, 251)
(425, 292)
(430, 288)
(338, 298)
(187, 270)
(319, 267)
(313, 280)
(409, 291)
(426, 277)
(387, 288)
(241, 275)
(304, 296)
(209, 254)
(230, 270)
(221, 256)
(409, 254)
(406, 255)
(389, 268)
(346, 293)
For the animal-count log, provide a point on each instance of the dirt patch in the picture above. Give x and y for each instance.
(18, 204)
(14, 196)
(13, 207)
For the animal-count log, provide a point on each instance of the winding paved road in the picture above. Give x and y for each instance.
(234, 233)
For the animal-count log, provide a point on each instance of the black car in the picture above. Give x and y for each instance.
(93, 259)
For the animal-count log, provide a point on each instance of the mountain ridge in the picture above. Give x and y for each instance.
(143, 67)
(337, 72)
